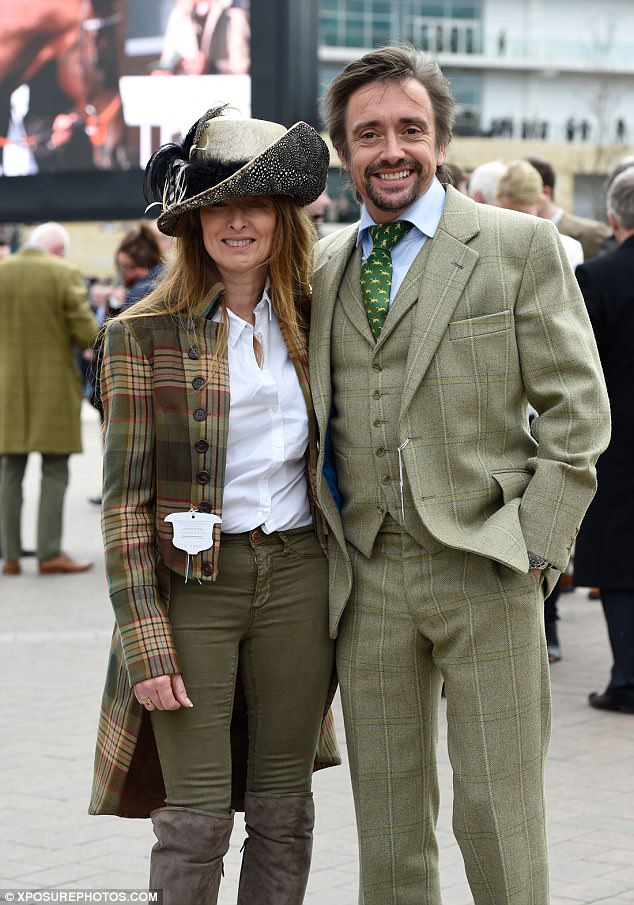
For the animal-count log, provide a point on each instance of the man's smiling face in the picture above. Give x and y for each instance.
(391, 150)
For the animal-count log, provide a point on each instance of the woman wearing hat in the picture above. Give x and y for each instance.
(215, 566)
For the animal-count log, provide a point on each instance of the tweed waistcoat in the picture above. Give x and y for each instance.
(365, 430)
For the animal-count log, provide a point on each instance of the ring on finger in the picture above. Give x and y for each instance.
(147, 702)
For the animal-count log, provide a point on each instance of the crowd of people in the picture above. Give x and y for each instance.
(364, 461)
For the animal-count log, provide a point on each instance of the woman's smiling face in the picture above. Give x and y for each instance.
(238, 235)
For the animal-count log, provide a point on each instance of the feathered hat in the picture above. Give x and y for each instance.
(222, 158)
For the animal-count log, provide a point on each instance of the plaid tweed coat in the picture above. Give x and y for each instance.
(499, 323)
(166, 404)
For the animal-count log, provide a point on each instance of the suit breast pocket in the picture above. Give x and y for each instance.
(472, 327)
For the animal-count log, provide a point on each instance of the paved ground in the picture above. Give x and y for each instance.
(54, 634)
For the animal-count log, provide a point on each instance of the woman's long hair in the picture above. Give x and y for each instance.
(192, 274)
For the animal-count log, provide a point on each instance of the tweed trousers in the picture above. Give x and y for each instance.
(416, 619)
(51, 506)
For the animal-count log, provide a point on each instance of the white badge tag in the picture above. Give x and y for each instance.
(193, 531)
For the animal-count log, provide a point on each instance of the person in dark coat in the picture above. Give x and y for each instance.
(603, 555)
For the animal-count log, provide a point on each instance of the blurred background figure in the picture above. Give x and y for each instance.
(459, 177)
(139, 261)
(591, 233)
(206, 36)
(612, 243)
(520, 188)
(603, 556)
(483, 182)
(317, 211)
(44, 313)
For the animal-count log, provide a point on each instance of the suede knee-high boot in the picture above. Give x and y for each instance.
(278, 849)
(186, 861)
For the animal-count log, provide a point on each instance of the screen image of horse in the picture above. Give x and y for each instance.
(94, 86)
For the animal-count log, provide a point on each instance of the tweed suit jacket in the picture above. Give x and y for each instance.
(44, 313)
(499, 323)
(163, 397)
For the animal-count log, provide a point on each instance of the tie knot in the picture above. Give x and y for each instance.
(386, 235)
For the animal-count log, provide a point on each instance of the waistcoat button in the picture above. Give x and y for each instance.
(203, 477)
(198, 383)
(380, 451)
(201, 446)
(206, 568)
(376, 394)
(386, 479)
(376, 366)
(204, 506)
(200, 414)
(377, 422)
(193, 352)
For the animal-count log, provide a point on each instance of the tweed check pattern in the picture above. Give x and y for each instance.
(376, 272)
(412, 619)
(498, 321)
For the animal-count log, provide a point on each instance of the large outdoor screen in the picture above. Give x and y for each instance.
(90, 88)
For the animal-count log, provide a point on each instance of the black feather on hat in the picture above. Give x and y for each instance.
(222, 158)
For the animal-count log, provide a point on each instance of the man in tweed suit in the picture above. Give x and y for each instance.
(450, 520)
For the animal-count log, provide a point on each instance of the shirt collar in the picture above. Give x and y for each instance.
(236, 324)
(424, 213)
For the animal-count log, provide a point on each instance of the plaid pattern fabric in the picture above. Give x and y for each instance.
(156, 415)
(412, 620)
(499, 322)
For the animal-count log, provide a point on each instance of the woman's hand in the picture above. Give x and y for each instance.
(162, 693)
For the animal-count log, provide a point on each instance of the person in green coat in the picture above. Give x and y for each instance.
(44, 313)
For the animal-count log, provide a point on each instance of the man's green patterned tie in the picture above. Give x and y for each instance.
(376, 272)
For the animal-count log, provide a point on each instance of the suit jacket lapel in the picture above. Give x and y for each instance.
(446, 269)
(326, 282)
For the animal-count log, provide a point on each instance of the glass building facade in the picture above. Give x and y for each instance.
(447, 26)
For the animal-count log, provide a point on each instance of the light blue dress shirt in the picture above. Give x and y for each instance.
(425, 214)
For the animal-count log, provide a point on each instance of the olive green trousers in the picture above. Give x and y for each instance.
(266, 615)
(51, 506)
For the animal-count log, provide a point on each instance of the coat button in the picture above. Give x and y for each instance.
(201, 446)
(206, 568)
(198, 383)
(377, 422)
(193, 352)
(203, 477)
(380, 451)
(200, 414)
(376, 366)
(204, 506)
